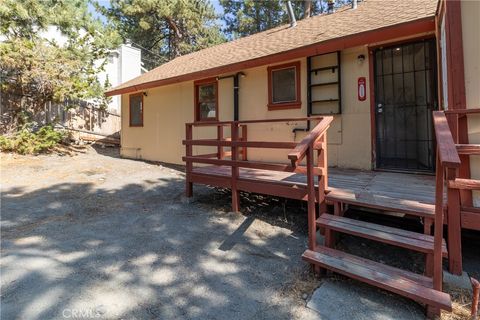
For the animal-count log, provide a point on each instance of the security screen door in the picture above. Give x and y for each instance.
(405, 96)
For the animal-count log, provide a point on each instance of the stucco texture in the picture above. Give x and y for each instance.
(168, 108)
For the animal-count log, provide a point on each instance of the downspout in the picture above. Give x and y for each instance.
(293, 23)
(236, 87)
(235, 97)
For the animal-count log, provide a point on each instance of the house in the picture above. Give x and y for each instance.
(369, 80)
(169, 90)
(121, 65)
(86, 120)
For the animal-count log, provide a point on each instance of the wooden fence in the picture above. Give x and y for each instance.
(80, 117)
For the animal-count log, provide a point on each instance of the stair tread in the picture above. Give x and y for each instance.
(394, 236)
(405, 283)
(365, 199)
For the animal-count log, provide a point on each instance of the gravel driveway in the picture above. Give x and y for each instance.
(94, 236)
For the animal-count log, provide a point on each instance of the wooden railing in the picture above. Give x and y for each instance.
(315, 141)
(446, 165)
(448, 182)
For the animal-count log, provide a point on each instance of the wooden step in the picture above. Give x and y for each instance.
(385, 277)
(393, 236)
(368, 200)
(470, 218)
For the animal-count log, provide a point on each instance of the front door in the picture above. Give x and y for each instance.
(405, 96)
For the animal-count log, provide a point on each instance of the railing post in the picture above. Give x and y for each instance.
(188, 153)
(454, 227)
(244, 138)
(220, 138)
(438, 231)
(235, 169)
(322, 162)
(459, 136)
(312, 225)
(447, 163)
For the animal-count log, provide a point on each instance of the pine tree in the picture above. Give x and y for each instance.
(247, 17)
(165, 29)
(35, 70)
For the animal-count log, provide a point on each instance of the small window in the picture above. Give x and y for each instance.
(136, 110)
(284, 86)
(206, 100)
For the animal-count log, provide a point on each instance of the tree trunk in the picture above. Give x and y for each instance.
(307, 9)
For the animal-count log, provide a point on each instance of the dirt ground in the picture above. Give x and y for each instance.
(96, 236)
(86, 234)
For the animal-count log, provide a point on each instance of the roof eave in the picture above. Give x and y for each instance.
(404, 29)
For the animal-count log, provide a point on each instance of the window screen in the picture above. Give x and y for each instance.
(207, 101)
(283, 85)
(136, 110)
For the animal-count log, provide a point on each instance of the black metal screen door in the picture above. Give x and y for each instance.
(405, 95)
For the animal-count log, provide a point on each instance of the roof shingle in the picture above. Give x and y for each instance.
(370, 15)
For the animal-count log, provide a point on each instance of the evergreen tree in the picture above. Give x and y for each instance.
(165, 29)
(38, 69)
(247, 17)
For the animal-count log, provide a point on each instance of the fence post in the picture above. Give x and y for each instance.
(235, 169)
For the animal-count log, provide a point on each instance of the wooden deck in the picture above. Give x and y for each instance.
(308, 178)
(408, 193)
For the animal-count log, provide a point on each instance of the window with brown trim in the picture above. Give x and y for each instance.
(206, 100)
(284, 86)
(136, 110)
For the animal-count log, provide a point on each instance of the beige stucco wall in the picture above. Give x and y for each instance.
(168, 108)
(471, 52)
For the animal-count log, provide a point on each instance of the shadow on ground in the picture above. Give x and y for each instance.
(136, 251)
(98, 236)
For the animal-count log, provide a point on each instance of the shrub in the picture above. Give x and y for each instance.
(28, 142)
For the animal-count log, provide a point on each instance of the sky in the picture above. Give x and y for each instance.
(106, 3)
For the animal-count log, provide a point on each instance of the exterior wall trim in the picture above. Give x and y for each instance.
(196, 108)
(130, 109)
(297, 104)
(456, 84)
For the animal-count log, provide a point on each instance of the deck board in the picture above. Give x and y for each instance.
(382, 189)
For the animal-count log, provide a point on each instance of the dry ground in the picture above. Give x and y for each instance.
(87, 231)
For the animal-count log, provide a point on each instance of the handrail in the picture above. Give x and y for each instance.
(463, 111)
(447, 150)
(447, 163)
(450, 181)
(298, 153)
(453, 175)
(226, 123)
(249, 144)
(315, 168)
